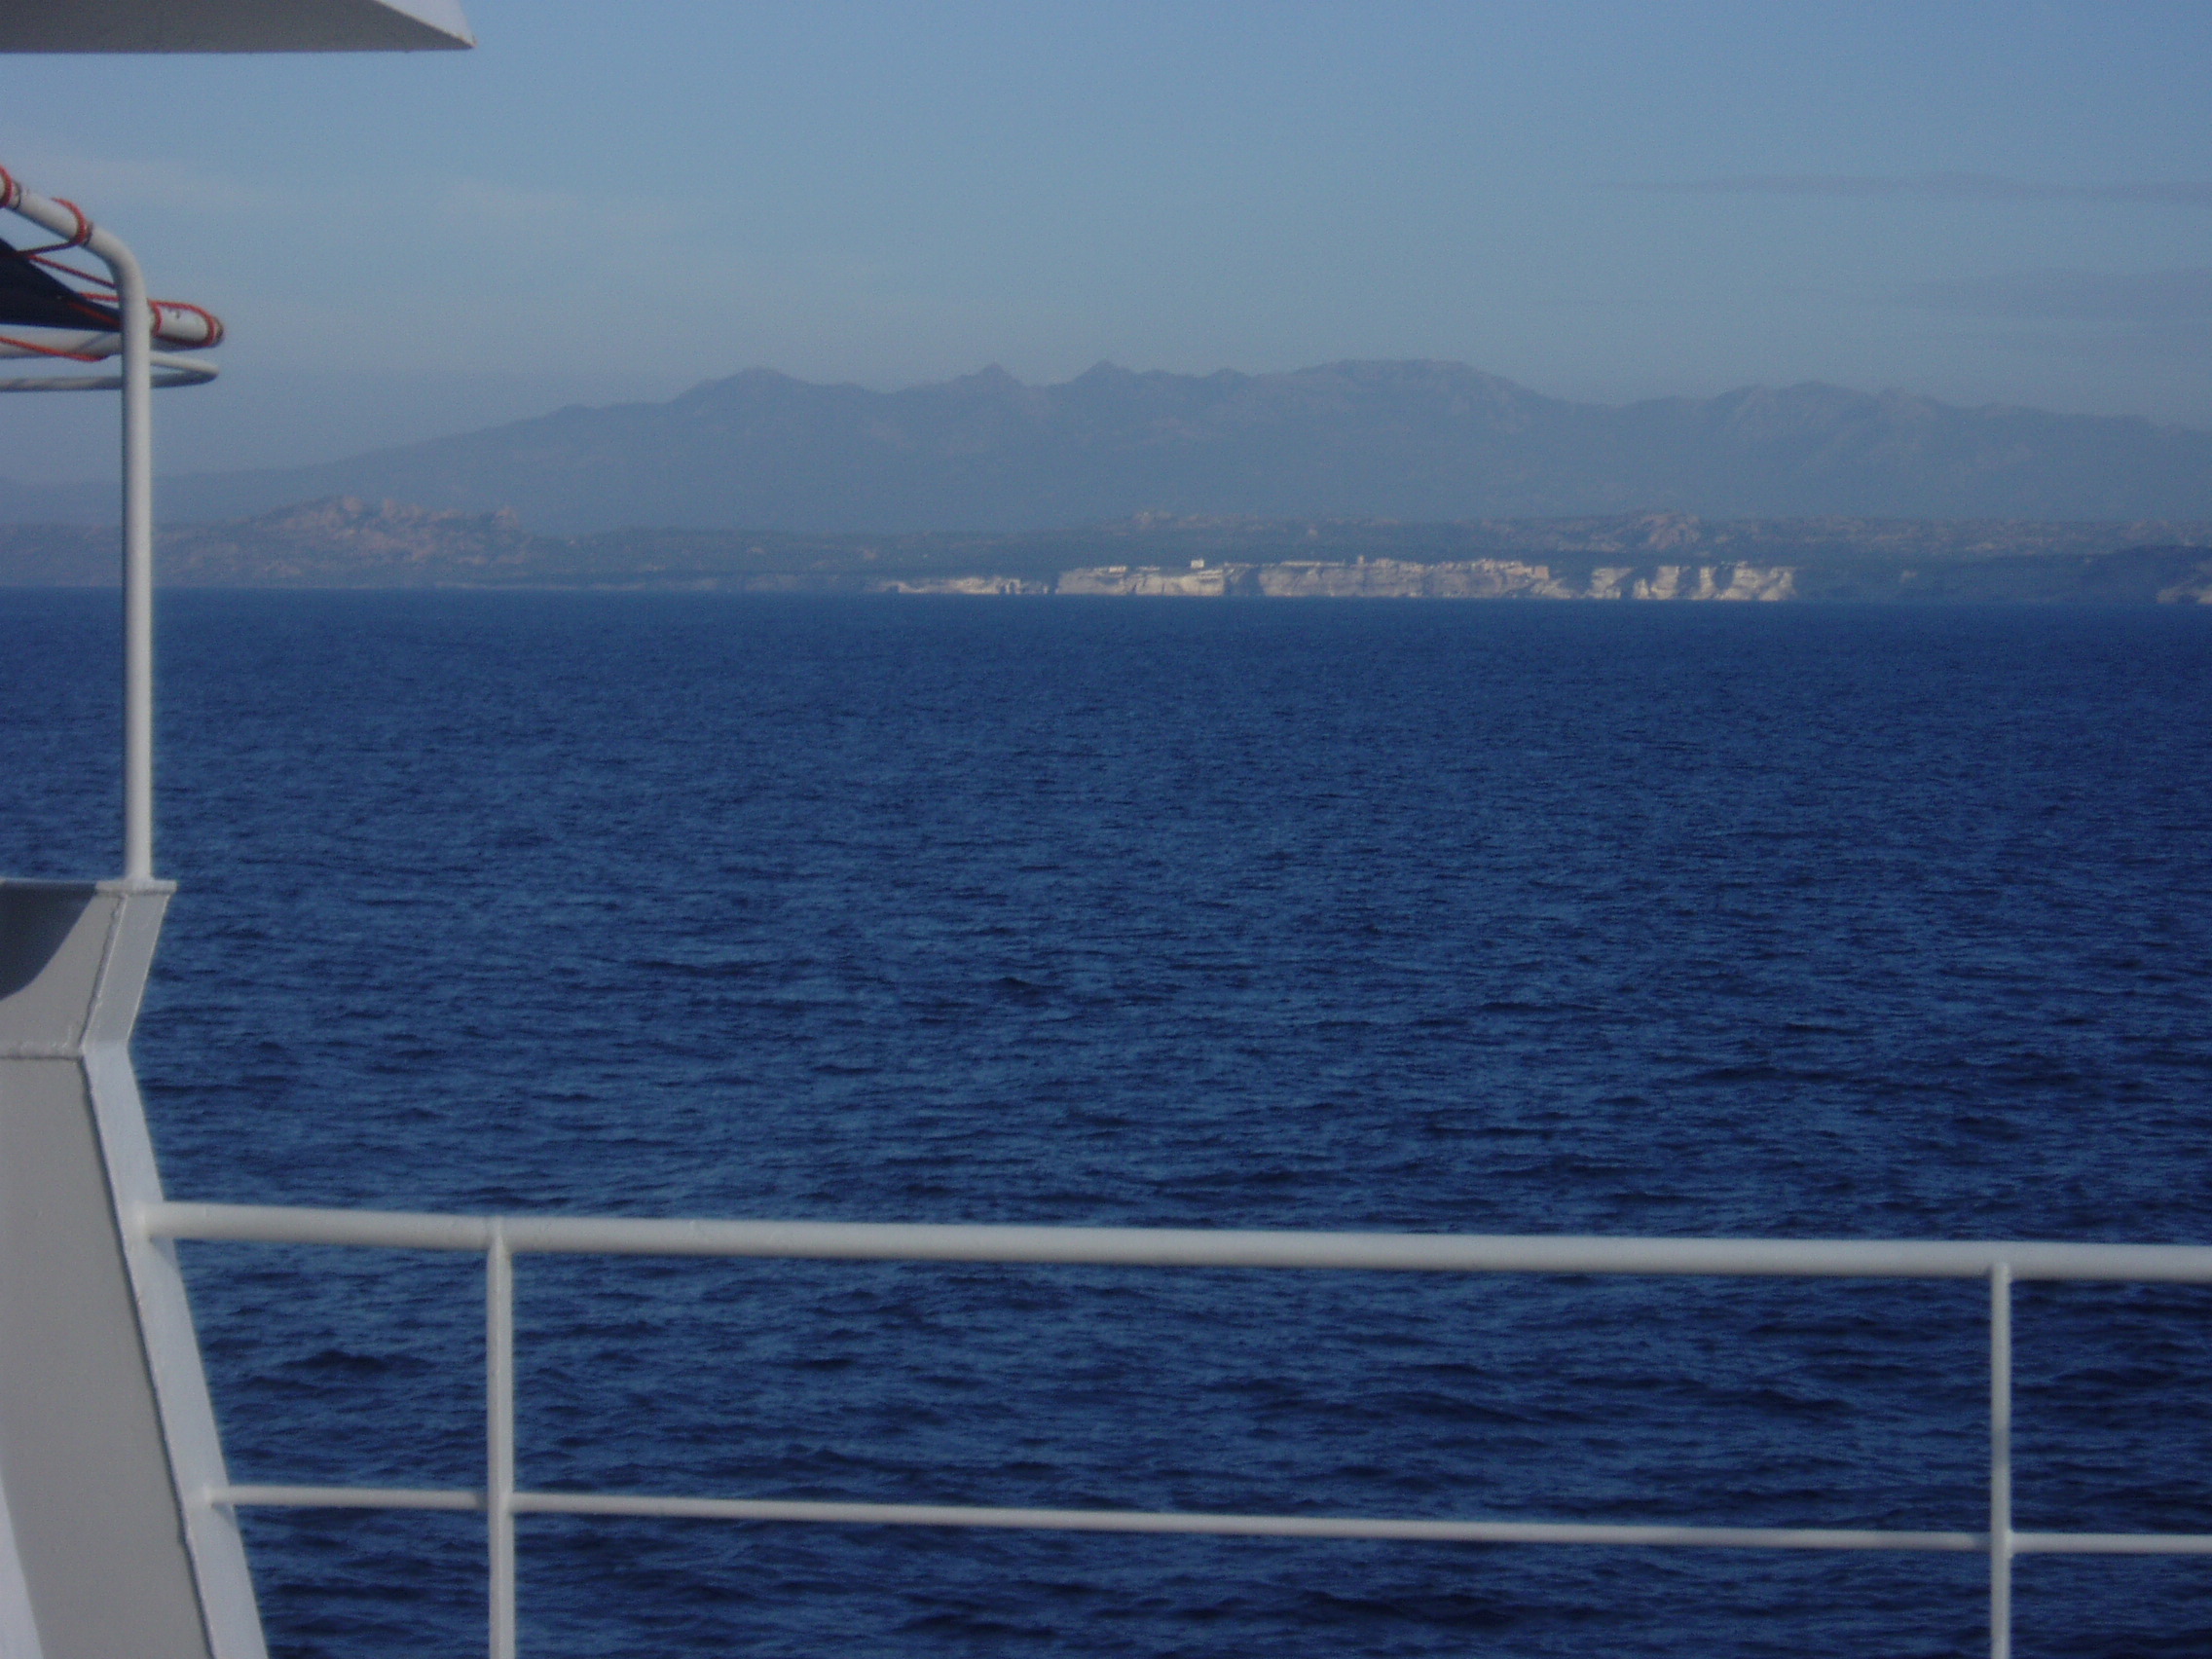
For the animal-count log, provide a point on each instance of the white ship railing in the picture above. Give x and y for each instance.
(500, 1237)
(139, 372)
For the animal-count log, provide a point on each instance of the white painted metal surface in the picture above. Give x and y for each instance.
(500, 1237)
(2003, 1541)
(18, 1625)
(172, 325)
(166, 369)
(107, 1441)
(1193, 1248)
(232, 25)
(500, 1438)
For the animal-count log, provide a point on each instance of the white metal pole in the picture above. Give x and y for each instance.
(137, 380)
(137, 567)
(500, 1438)
(2001, 1462)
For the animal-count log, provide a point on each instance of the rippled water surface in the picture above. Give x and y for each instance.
(1785, 921)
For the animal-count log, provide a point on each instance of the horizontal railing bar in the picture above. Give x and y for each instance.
(277, 1224)
(1187, 1248)
(1100, 1520)
(1245, 1525)
(2111, 1544)
(344, 1498)
(1250, 1526)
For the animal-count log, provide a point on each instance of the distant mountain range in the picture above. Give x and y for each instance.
(350, 543)
(1418, 441)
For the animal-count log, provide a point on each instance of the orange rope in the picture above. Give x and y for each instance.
(34, 347)
(10, 198)
(77, 237)
(92, 277)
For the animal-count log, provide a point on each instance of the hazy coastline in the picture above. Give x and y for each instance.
(1648, 557)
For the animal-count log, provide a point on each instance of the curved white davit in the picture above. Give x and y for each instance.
(233, 25)
(55, 310)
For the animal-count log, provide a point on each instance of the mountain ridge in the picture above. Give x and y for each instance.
(1414, 439)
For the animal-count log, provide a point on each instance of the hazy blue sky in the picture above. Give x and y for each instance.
(615, 198)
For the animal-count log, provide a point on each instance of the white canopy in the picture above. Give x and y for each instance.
(232, 25)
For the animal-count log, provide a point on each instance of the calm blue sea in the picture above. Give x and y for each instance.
(1770, 920)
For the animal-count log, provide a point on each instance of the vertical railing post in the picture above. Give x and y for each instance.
(137, 569)
(2001, 1462)
(500, 1438)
